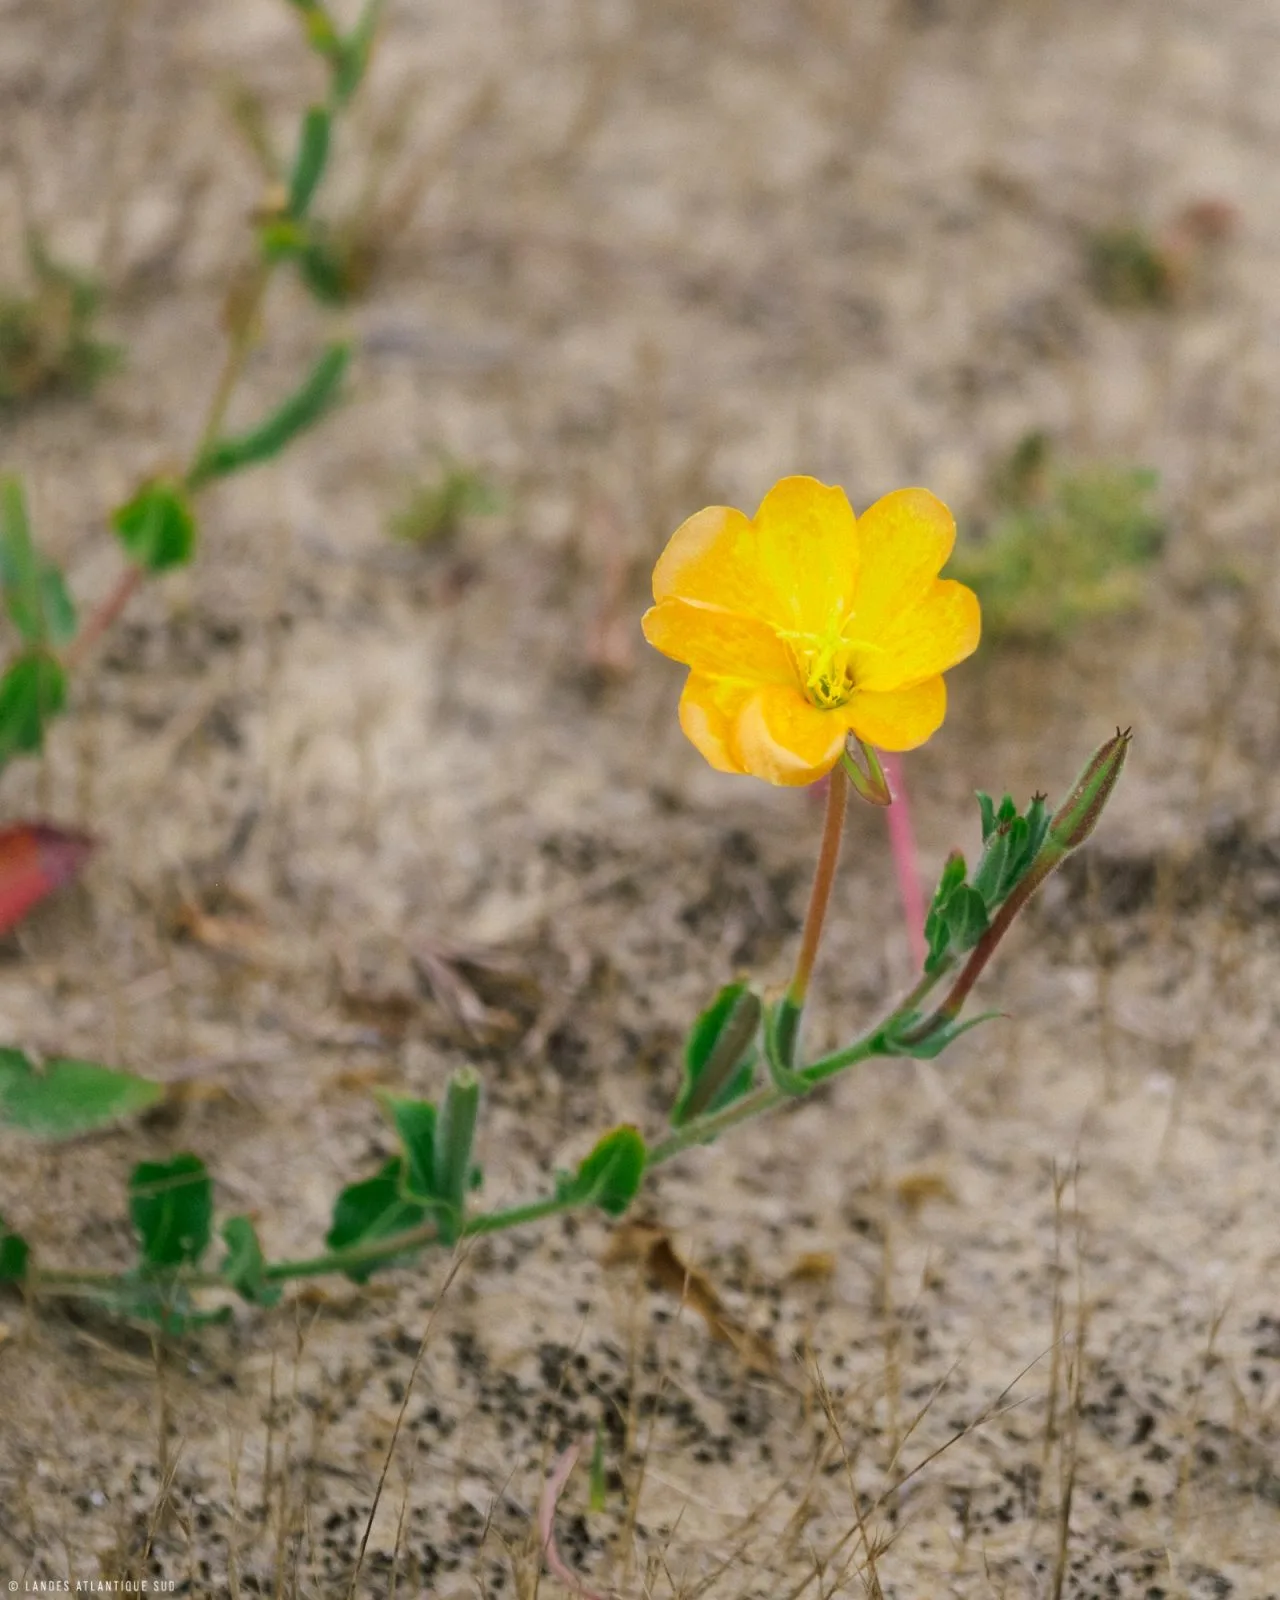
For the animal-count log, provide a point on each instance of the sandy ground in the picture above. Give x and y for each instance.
(1017, 1310)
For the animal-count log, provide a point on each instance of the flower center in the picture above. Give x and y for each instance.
(824, 665)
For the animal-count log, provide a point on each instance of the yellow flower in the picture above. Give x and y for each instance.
(802, 626)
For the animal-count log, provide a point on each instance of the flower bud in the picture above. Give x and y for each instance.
(1074, 820)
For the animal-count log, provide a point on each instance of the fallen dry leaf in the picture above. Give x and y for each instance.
(916, 1189)
(36, 859)
(814, 1266)
(651, 1245)
(239, 932)
(453, 971)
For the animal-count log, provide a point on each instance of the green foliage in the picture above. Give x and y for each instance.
(720, 1053)
(415, 1123)
(371, 1210)
(1062, 547)
(897, 1041)
(435, 512)
(438, 1171)
(610, 1177)
(331, 265)
(455, 1133)
(157, 527)
(597, 1480)
(347, 54)
(352, 58)
(244, 1266)
(32, 692)
(1128, 269)
(35, 593)
(966, 917)
(317, 395)
(309, 164)
(171, 1203)
(15, 1255)
(47, 345)
(66, 1098)
(936, 931)
(962, 911)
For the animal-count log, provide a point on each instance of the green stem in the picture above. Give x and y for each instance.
(386, 1250)
(1070, 825)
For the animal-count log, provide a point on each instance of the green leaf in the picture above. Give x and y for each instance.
(1037, 827)
(324, 269)
(66, 1098)
(353, 53)
(158, 1300)
(15, 1253)
(986, 807)
(720, 1053)
(243, 1267)
(171, 1203)
(35, 593)
(282, 237)
(309, 164)
(415, 1124)
(936, 932)
(935, 1041)
(611, 1175)
(781, 1040)
(303, 409)
(454, 1137)
(322, 35)
(19, 565)
(32, 692)
(60, 619)
(988, 880)
(597, 1494)
(966, 917)
(372, 1210)
(157, 527)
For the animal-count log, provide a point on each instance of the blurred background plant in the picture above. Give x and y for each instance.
(48, 345)
(435, 509)
(1132, 268)
(1060, 544)
(337, 254)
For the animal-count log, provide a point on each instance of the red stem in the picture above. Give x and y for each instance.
(129, 581)
(823, 878)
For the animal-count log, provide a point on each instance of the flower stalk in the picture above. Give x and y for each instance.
(1069, 827)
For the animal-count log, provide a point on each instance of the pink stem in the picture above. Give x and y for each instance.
(551, 1492)
(902, 842)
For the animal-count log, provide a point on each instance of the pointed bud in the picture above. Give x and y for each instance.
(1074, 820)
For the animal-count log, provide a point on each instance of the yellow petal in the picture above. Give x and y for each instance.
(927, 636)
(711, 559)
(718, 643)
(707, 710)
(807, 553)
(779, 736)
(904, 540)
(897, 719)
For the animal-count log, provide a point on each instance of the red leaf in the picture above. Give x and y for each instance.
(36, 859)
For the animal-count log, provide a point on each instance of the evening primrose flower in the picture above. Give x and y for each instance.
(801, 626)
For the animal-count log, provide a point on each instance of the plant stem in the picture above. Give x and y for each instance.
(820, 894)
(1070, 826)
(241, 338)
(126, 586)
